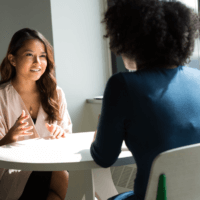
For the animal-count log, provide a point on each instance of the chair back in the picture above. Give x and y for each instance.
(175, 175)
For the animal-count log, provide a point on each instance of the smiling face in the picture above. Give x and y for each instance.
(30, 56)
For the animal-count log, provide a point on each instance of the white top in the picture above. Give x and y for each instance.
(11, 106)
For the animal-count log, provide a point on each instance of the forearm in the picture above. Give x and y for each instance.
(6, 140)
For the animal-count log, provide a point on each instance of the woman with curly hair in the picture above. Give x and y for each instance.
(29, 95)
(157, 107)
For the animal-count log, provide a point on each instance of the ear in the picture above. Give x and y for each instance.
(11, 58)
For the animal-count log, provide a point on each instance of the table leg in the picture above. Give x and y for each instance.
(89, 185)
(103, 183)
(81, 185)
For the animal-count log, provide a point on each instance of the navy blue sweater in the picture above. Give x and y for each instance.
(153, 111)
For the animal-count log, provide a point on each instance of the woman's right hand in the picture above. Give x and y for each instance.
(19, 128)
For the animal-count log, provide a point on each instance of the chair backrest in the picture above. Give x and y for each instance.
(181, 167)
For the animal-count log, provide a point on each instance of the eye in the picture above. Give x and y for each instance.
(28, 54)
(43, 56)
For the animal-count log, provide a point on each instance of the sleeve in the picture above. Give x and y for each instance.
(111, 128)
(66, 123)
(2, 134)
(2, 125)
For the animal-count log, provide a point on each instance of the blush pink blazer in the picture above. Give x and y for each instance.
(12, 182)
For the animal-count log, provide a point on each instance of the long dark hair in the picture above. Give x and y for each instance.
(151, 32)
(47, 83)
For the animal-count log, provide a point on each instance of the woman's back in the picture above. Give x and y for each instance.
(154, 109)
(164, 114)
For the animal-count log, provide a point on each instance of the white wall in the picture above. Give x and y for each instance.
(18, 14)
(81, 57)
(191, 3)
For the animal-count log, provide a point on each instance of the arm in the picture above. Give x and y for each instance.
(66, 123)
(6, 140)
(111, 128)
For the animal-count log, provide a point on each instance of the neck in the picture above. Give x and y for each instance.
(24, 87)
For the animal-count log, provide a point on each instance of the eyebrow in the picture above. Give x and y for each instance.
(33, 51)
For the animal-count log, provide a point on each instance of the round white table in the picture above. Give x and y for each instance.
(71, 153)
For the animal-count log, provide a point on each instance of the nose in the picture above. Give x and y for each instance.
(37, 60)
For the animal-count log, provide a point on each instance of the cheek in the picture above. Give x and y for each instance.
(24, 64)
(24, 61)
(44, 63)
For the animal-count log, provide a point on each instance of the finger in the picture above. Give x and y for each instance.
(25, 117)
(22, 119)
(55, 133)
(24, 131)
(60, 133)
(53, 130)
(27, 133)
(27, 128)
(23, 114)
(64, 134)
(23, 125)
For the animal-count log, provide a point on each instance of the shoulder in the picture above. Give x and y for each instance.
(59, 90)
(117, 84)
(4, 86)
(117, 78)
(191, 71)
(122, 79)
(6, 90)
(6, 94)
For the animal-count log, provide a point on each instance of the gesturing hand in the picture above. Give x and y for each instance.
(55, 130)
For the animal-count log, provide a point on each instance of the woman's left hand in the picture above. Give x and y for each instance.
(55, 130)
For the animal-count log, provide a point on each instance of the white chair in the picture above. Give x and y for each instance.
(175, 175)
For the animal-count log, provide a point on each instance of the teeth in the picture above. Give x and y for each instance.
(35, 70)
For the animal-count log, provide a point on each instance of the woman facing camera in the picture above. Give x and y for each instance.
(157, 107)
(30, 100)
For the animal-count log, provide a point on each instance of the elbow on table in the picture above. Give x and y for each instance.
(98, 159)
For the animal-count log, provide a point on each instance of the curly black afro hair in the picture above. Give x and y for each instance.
(151, 32)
